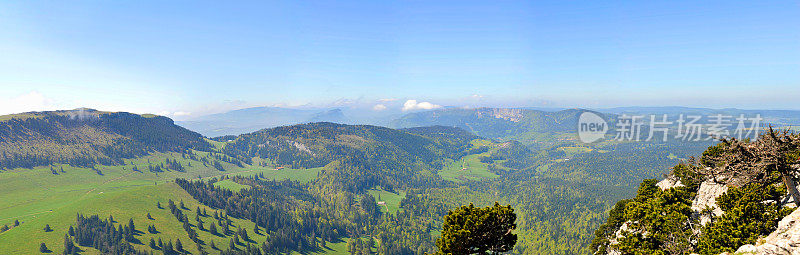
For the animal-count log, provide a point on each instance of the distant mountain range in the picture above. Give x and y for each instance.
(253, 119)
(496, 123)
(527, 125)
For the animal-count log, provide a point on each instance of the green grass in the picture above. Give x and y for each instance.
(127, 203)
(469, 167)
(391, 200)
(477, 143)
(36, 197)
(217, 145)
(571, 151)
(228, 184)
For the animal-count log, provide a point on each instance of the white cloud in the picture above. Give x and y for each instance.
(180, 113)
(379, 107)
(31, 101)
(412, 104)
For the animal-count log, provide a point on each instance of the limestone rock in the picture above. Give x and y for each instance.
(707, 197)
(784, 241)
(669, 182)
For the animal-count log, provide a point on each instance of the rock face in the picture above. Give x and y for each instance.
(514, 115)
(784, 241)
(668, 183)
(617, 235)
(707, 198)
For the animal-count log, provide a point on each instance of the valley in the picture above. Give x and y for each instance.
(414, 176)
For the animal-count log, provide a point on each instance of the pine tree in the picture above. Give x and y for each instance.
(168, 248)
(71, 231)
(213, 229)
(152, 243)
(131, 226)
(47, 228)
(225, 228)
(69, 246)
(470, 230)
(178, 245)
(43, 248)
(16, 223)
(244, 234)
(149, 217)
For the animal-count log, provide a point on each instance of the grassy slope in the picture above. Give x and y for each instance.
(475, 169)
(392, 199)
(124, 204)
(228, 184)
(36, 197)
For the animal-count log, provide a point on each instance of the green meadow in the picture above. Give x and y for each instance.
(391, 200)
(37, 197)
(468, 167)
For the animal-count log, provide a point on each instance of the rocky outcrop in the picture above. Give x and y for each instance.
(619, 234)
(707, 198)
(669, 182)
(784, 241)
(514, 115)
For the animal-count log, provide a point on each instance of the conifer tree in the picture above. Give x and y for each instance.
(471, 230)
(178, 245)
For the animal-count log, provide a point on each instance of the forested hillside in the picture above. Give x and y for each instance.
(532, 127)
(358, 157)
(87, 137)
(354, 188)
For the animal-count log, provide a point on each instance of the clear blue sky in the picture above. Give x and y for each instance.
(192, 57)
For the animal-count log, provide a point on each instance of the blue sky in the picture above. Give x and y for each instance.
(188, 58)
